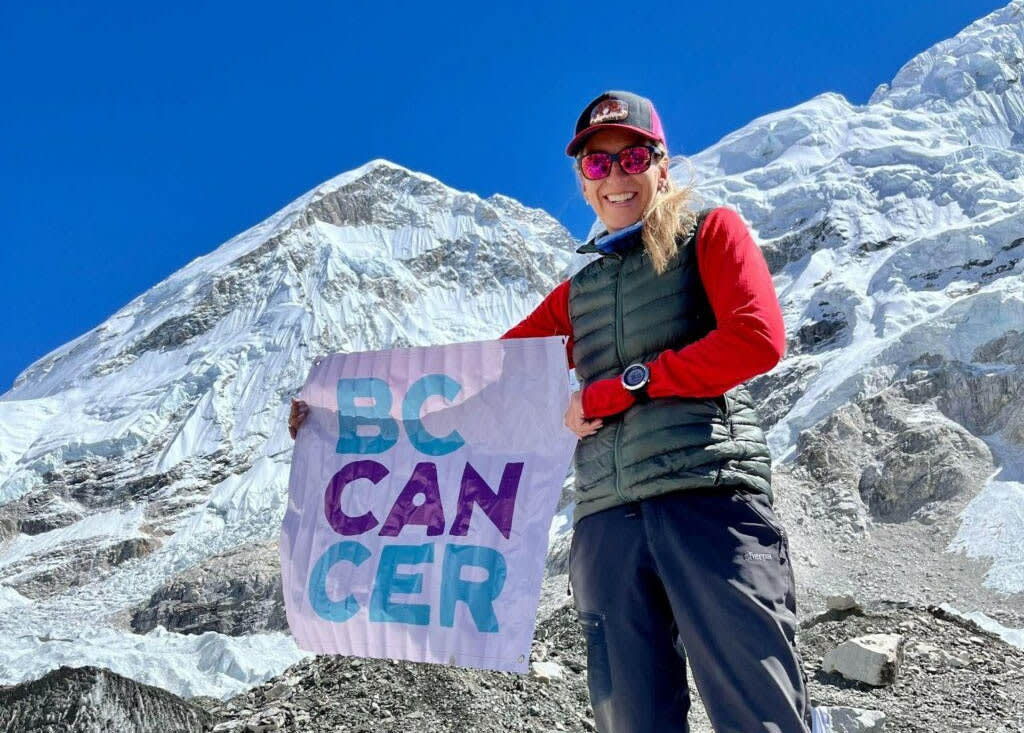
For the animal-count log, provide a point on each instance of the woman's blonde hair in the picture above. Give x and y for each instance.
(668, 217)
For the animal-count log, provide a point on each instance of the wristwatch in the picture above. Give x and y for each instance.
(635, 379)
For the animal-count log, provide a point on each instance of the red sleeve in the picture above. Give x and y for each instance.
(605, 397)
(750, 335)
(550, 318)
(749, 338)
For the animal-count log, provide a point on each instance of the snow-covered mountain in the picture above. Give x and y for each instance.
(159, 438)
(895, 232)
(143, 466)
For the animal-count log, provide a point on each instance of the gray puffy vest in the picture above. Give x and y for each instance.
(623, 312)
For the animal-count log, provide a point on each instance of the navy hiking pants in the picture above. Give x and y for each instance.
(703, 573)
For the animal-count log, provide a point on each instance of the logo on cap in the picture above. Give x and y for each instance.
(609, 109)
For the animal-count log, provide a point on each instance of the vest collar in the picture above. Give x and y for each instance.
(614, 242)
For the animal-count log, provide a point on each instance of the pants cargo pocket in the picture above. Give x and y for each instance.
(599, 678)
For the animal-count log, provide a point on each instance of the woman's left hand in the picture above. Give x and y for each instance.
(574, 419)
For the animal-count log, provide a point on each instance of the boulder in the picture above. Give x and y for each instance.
(873, 658)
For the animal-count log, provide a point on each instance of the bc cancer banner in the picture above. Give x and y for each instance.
(423, 484)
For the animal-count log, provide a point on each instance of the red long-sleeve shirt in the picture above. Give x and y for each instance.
(749, 339)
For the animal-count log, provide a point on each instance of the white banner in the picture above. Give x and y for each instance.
(422, 488)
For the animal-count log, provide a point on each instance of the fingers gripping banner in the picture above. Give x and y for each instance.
(422, 487)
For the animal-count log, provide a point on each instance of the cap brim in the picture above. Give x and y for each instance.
(578, 141)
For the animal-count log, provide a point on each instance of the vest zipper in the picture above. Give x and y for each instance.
(618, 479)
(622, 365)
(618, 314)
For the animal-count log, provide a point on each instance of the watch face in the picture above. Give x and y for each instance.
(634, 376)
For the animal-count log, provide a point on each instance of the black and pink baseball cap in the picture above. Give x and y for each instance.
(624, 110)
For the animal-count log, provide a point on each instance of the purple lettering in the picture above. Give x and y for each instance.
(430, 513)
(339, 521)
(498, 507)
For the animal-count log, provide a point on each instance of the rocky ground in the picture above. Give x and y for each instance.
(949, 675)
(900, 561)
(953, 676)
(347, 694)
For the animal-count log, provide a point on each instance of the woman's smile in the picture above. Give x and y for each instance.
(621, 200)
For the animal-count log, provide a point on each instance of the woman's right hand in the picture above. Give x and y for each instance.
(574, 419)
(299, 412)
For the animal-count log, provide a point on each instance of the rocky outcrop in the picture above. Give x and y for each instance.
(35, 513)
(801, 240)
(891, 454)
(234, 593)
(986, 396)
(817, 335)
(777, 391)
(92, 700)
(73, 563)
(93, 484)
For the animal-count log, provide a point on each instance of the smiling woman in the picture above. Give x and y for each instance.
(677, 554)
(618, 177)
(623, 173)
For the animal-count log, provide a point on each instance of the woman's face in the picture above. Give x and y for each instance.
(643, 186)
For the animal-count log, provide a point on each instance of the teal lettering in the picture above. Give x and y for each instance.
(388, 581)
(351, 416)
(345, 609)
(477, 595)
(419, 391)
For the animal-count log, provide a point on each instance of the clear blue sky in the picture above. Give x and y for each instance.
(137, 136)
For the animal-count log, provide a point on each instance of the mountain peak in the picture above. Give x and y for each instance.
(371, 168)
(981, 66)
